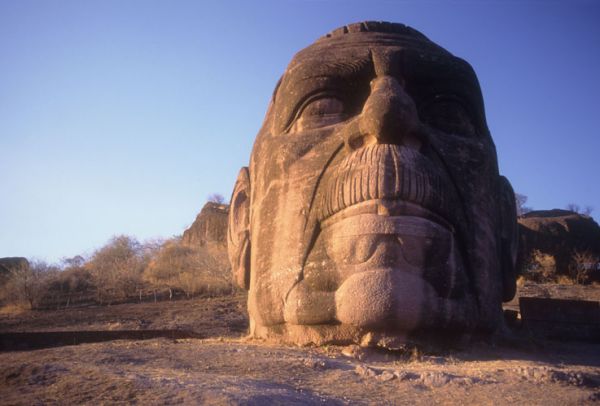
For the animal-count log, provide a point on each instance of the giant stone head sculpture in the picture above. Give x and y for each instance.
(372, 209)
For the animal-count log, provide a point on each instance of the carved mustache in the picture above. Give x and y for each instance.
(385, 171)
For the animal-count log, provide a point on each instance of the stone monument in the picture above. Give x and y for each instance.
(372, 210)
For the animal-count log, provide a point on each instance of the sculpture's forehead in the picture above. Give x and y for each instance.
(358, 48)
(353, 56)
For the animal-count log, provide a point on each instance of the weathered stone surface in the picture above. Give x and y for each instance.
(559, 233)
(372, 210)
(210, 226)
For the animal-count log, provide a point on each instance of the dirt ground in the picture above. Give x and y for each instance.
(226, 368)
(210, 317)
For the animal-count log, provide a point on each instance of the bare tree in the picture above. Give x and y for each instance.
(583, 266)
(573, 207)
(29, 284)
(117, 267)
(216, 198)
(586, 211)
(164, 268)
(520, 201)
(72, 283)
(74, 262)
(74, 280)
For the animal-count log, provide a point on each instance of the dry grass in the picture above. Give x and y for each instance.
(565, 280)
(13, 309)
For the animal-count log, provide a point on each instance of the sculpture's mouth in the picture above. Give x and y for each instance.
(388, 206)
(388, 180)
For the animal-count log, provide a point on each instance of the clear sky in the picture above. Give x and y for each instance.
(121, 117)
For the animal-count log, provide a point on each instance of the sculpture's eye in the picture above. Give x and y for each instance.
(448, 114)
(319, 111)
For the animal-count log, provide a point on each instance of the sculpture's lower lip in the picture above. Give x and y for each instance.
(388, 207)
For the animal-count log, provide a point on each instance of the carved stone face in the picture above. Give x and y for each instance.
(373, 206)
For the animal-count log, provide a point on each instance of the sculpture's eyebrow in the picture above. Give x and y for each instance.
(331, 72)
(332, 68)
(432, 68)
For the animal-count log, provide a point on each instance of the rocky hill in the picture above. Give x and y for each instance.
(8, 264)
(559, 233)
(210, 226)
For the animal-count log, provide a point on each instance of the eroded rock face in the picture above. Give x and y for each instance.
(372, 210)
(210, 226)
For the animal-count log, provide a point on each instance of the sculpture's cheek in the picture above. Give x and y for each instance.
(306, 306)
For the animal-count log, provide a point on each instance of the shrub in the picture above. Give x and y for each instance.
(540, 267)
(584, 268)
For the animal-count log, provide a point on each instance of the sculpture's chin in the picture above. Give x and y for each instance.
(385, 297)
(382, 271)
(390, 301)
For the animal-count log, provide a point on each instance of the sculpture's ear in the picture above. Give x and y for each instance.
(238, 230)
(509, 239)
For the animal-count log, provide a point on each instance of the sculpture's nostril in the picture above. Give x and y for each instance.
(356, 142)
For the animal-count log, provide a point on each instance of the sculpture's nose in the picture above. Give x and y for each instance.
(389, 116)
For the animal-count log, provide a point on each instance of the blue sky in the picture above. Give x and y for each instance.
(121, 117)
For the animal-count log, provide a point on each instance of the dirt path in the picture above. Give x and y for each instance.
(232, 371)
